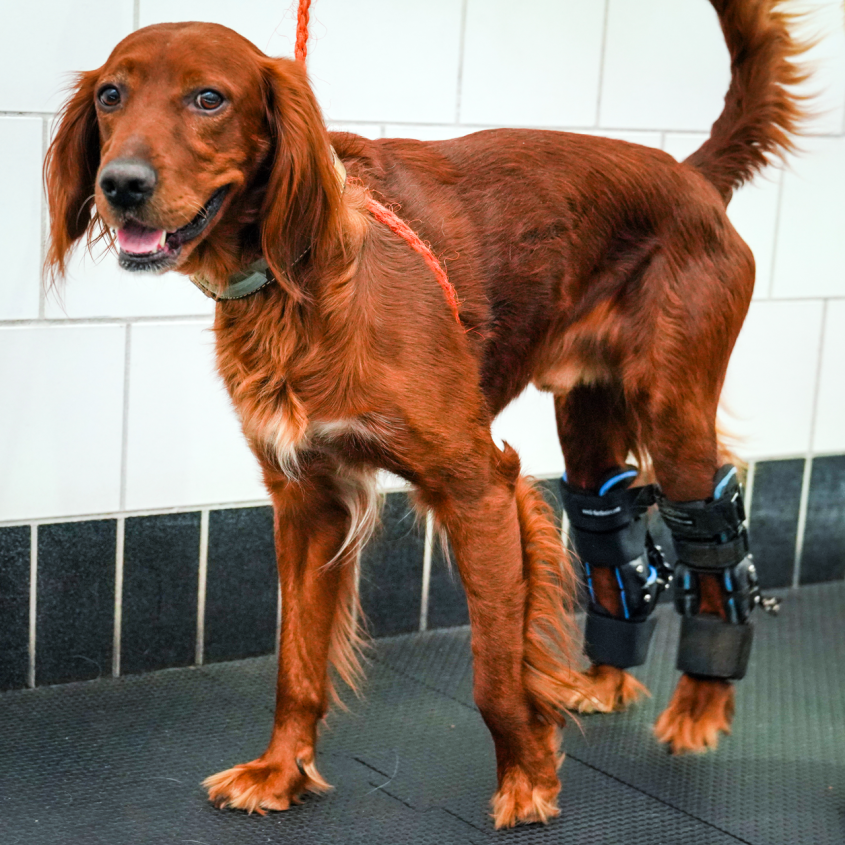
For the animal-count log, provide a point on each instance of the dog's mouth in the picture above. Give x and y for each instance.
(154, 250)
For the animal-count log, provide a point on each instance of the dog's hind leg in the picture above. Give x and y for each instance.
(597, 437)
(702, 504)
(518, 587)
(316, 563)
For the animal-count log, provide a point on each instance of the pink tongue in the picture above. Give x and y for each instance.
(138, 239)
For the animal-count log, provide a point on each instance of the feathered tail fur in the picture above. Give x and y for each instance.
(762, 111)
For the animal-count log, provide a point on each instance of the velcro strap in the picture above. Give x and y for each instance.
(605, 513)
(702, 520)
(710, 556)
(615, 642)
(614, 548)
(712, 648)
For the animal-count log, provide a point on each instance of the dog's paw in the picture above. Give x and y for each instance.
(605, 689)
(520, 800)
(699, 711)
(261, 785)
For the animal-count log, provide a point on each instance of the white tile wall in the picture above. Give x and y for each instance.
(665, 65)
(830, 411)
(529, 426)
(650, 71)
(270, 26)
(43, 43)
(771, 385)
(753, 209)
(184, 444)
(680, 145)
(810, 252)
(386, 60)
(532, 63)
(754, 213)
(374, 60)
(20, 216)
(428, 132)
(366, 130)
(96, 287)
(645, 139)
(821, 22)
(61, 420)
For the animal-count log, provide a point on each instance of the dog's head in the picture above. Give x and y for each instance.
(196, 149)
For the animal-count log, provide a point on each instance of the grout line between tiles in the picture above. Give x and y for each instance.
(33, 603)
(124, 435)
(87, 517)
(602, 53)
(356, 606)
(263, 503)
(808, 457)
(278, 618)
(202, 576)
(461, 47)
(118, 596)
(778, 212)
(109, 321)
(42, 294)
(428, 551)
(475, 126)
(749, 489)
(802, 520)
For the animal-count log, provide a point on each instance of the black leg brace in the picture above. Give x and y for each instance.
(710, 538)
(608, 530)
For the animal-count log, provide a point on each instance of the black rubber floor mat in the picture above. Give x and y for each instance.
(780, 778)
(120, 762)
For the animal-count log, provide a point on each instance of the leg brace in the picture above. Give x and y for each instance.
(608, 530)
(710, 538)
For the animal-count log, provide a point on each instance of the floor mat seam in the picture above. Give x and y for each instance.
(619, 780)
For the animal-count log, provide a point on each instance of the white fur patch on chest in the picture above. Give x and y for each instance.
(285, 439)
(356, 487)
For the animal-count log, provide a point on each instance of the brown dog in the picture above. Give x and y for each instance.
(602, 271)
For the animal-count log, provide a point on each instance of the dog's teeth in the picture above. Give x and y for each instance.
(162, 239)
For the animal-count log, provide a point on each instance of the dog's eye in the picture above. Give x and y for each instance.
(209, 100)
(109, 96)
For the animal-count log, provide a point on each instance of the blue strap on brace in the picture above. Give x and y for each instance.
(608, 530)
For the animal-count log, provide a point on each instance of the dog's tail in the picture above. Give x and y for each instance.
(549, 657)
(761, 112)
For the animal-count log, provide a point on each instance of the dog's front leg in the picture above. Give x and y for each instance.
(319, 600)
(511, 563)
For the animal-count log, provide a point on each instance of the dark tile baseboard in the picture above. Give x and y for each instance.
(14, 606)
(160, 586)
(202, 586)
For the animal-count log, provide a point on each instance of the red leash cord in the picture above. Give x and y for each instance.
(400, 227)
(302, 14)
(381, 213)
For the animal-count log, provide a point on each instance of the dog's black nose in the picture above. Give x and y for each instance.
(127, 183)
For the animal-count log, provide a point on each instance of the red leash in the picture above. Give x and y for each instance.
(380, 212)
(400, 227)
(302, 14)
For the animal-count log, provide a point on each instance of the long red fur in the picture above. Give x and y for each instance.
(601, 271)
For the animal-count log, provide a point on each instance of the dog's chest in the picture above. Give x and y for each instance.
(282, 429)
(293, 400)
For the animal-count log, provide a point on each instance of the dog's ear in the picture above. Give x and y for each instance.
(300, 211)
(70, 169)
